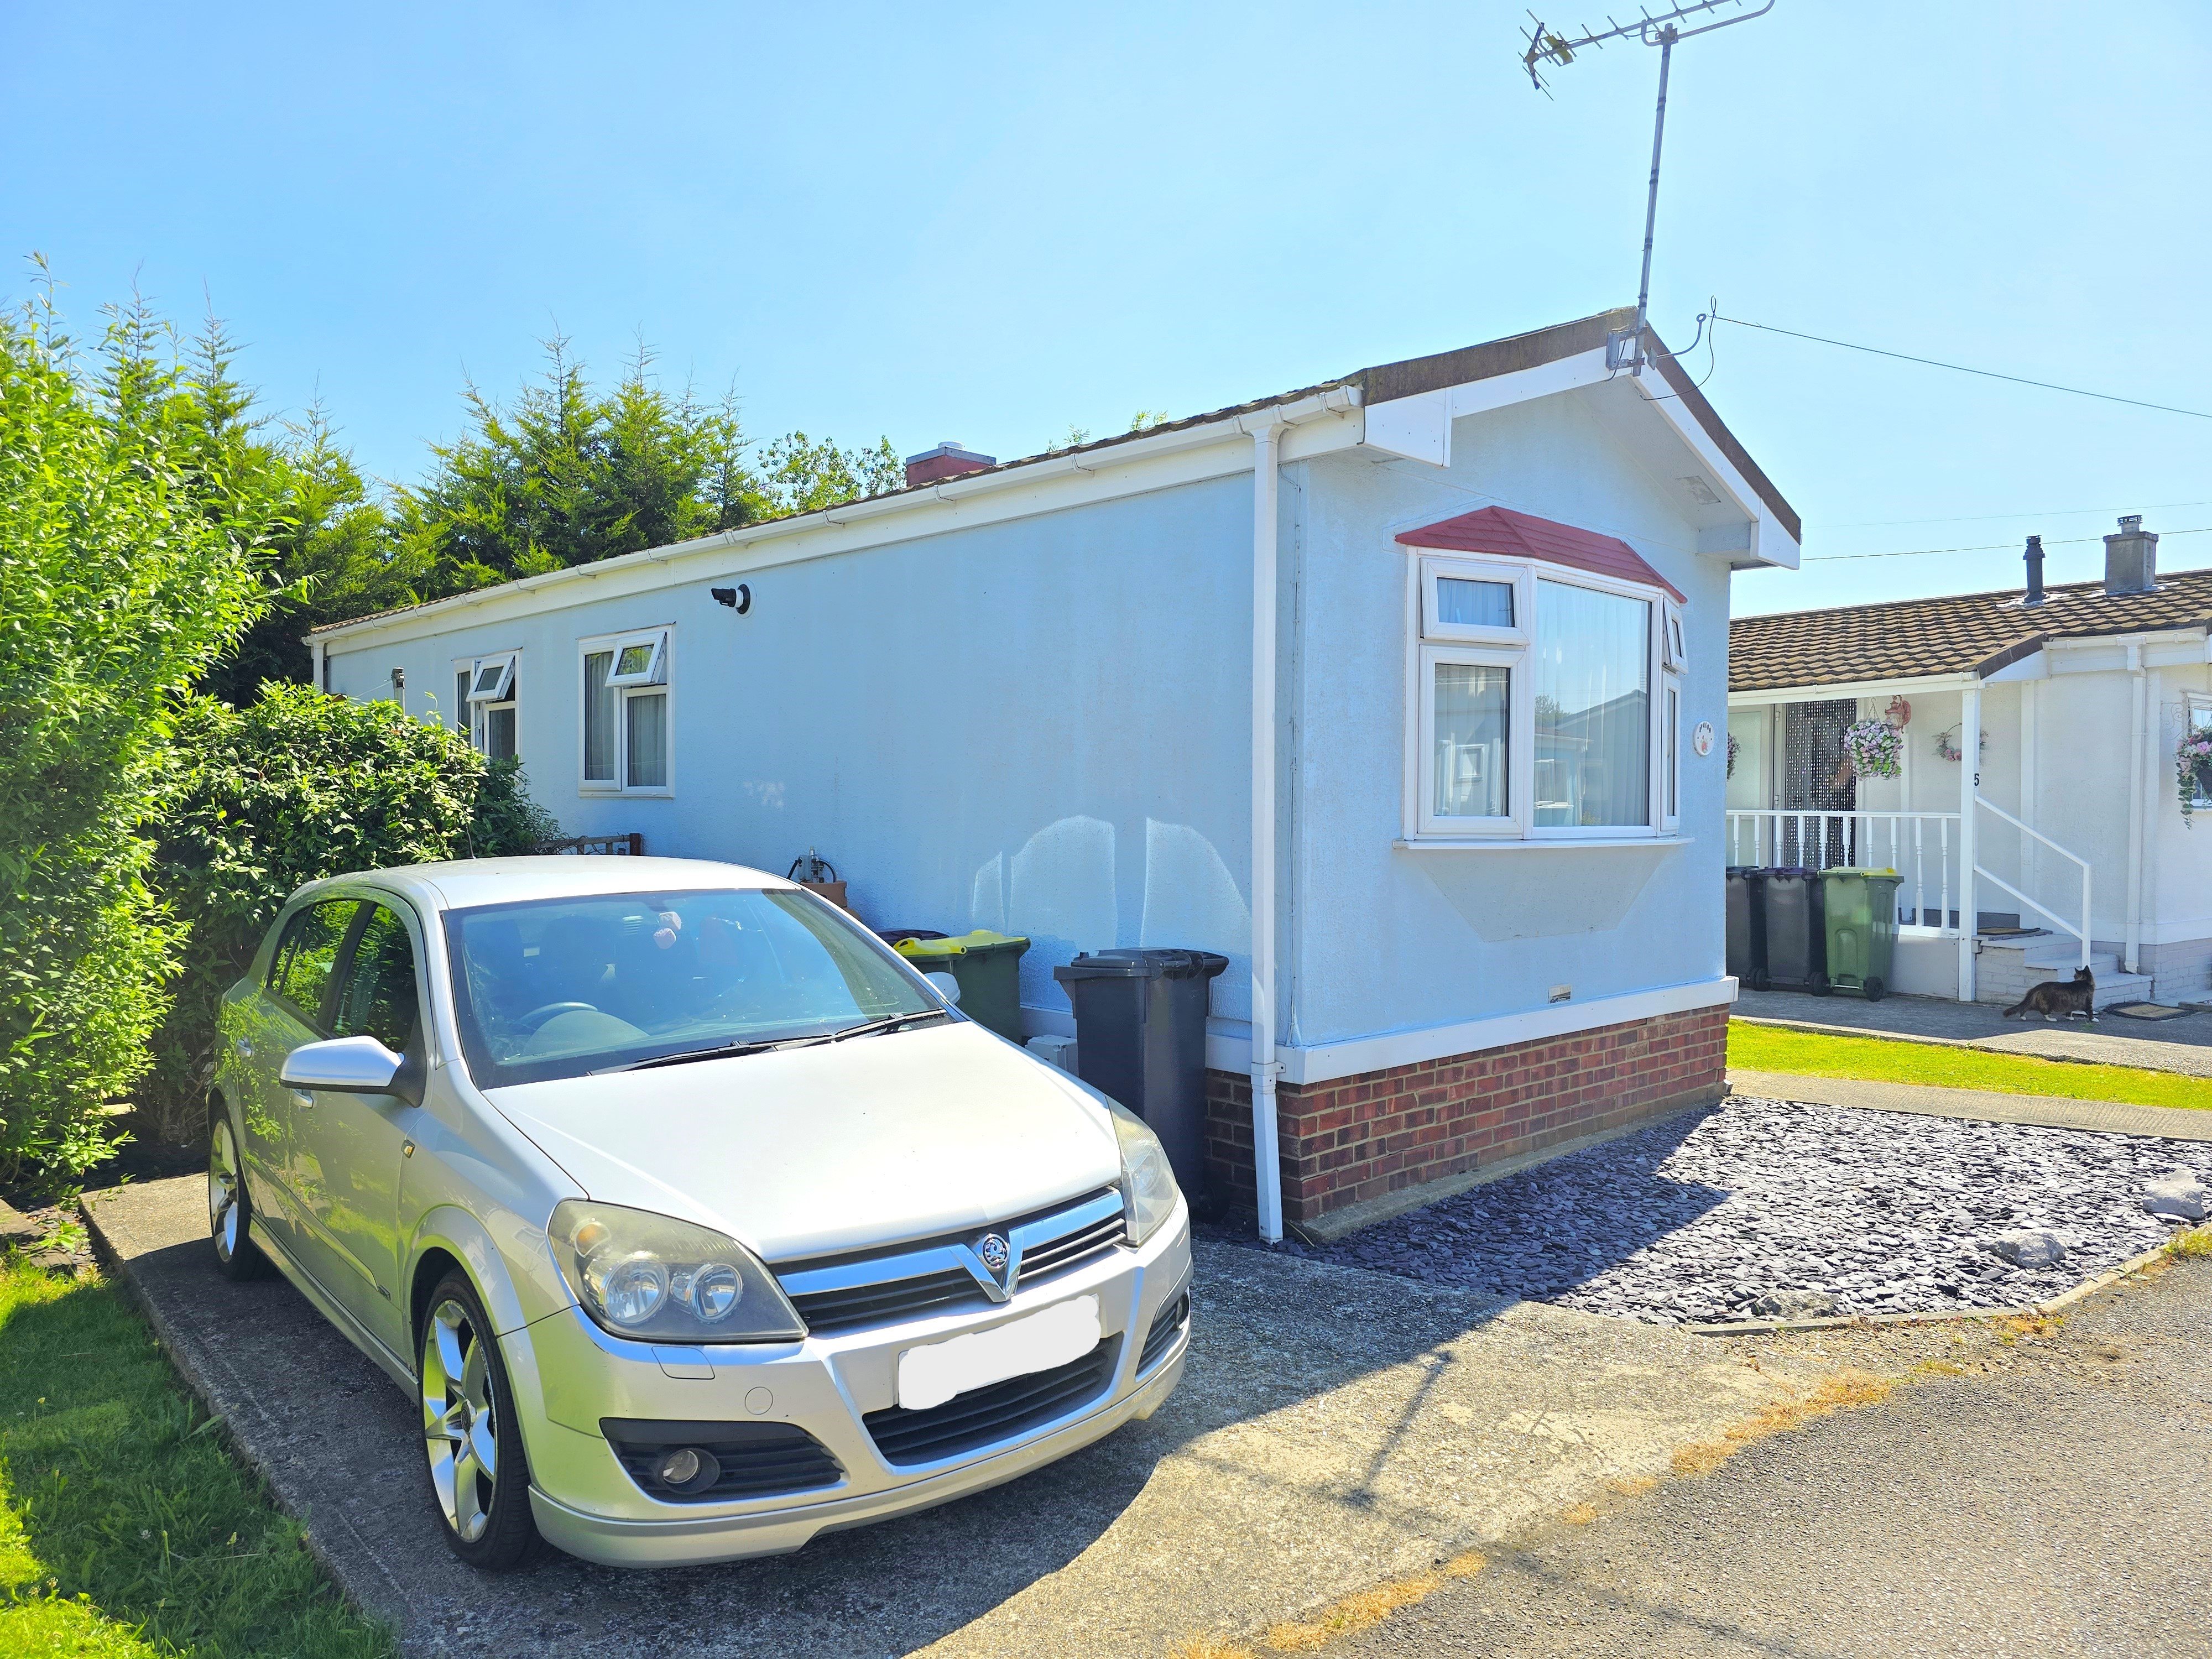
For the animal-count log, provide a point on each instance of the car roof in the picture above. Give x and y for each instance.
(463, 883)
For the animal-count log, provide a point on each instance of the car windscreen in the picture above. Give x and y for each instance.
(558, 988)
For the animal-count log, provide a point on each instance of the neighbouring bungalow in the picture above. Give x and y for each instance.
(1457, 625)
(2037, 786)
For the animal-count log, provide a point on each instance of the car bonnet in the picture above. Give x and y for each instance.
(840, 1146)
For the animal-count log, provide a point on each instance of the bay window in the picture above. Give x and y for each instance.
(625, 726)
(1546, 704)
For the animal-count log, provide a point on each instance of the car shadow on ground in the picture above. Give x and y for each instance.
(338, 1442)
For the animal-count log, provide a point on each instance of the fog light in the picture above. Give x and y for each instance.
(687, 1468)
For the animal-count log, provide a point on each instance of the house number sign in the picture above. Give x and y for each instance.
(1702, 738)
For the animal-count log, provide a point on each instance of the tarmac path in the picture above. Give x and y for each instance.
(2050, 1499)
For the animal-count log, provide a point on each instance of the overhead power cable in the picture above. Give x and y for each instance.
(1961, 368)
(1991, 547)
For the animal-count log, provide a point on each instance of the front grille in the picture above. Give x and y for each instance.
(1166, 1323)
(884, 1287)
(758, 1460)
(999, 1411)
(827, 1311)
(1075, 1248)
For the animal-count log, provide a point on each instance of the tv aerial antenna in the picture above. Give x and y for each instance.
(1548, 46)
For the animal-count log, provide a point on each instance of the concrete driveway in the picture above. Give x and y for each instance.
(1335, 1428)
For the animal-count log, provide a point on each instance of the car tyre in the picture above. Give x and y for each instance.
(479, 1480)
(230, 1207)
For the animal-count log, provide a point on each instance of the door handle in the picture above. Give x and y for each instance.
(244, 1049)
(301, 1098)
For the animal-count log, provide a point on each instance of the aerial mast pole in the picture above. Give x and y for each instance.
(1547, 46)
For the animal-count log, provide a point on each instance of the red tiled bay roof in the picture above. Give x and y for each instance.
(1501, 530)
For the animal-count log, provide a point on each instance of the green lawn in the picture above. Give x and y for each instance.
(1814, 1053)
(126, 1528)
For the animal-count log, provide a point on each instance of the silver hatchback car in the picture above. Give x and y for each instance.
(695, 1218)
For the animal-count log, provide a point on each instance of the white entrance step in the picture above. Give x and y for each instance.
(2005, 968)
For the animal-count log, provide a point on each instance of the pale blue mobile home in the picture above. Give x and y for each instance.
(1457, 625)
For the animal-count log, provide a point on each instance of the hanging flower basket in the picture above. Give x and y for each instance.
(1946, 745)
(1874, 748)
(2192, 771)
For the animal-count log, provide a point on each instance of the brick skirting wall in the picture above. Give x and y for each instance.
(1358, 1138)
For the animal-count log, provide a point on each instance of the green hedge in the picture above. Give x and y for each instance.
(129, 540)
(296, 786)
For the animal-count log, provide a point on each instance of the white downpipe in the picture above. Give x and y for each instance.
(2136, 721)
(1267, 428)
(1267, 1163)
(1970, 785)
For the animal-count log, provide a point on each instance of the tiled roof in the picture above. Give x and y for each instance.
(1958, 633)
(1501, 530)
(1384, 382)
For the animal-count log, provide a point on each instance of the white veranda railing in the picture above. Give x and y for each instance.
(1982, 873)
(1917, 845)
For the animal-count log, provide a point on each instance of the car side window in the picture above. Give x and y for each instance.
(308, 954)
(378, 996)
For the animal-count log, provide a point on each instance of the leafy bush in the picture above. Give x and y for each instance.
(296, 786)
(129, 544)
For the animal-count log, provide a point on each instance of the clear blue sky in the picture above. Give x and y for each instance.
(992, 221)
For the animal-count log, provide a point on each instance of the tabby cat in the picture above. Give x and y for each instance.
(2059, 999)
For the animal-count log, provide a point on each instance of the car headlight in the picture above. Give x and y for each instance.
(1148, 1185)
(655, 1278)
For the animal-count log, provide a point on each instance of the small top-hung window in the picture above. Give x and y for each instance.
(494, 681)
(641, 660)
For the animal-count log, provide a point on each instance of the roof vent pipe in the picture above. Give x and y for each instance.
(2034, 557)
(2132, 558)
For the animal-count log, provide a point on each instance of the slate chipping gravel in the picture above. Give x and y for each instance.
(1692, 1220)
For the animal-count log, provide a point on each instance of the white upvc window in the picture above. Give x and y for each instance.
(1546, 704)
(625, 736)
(2196, 721)
(484, 701)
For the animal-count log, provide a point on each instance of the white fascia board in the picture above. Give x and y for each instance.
(2036, 666)
(1419, 428)
(1853, 688)
(2107, 653)
(1326, 1062)
(1317, 425)
(1769, 543)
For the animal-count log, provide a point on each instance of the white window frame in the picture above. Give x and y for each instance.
(1429, 643)
(655, 671)
(1520, 578)
(654, 681)
(1520, 712)
(2197, 716)
(472, 719)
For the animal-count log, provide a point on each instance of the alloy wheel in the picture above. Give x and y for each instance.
(459, 1428)
(223, 1211)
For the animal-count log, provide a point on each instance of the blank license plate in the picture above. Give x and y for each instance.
(1054, 1336)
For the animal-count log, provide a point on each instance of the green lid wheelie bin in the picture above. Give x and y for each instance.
(1862, 918)
(987, 966)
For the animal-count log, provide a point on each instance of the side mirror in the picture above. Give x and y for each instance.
(946, 986)
(352, 1065)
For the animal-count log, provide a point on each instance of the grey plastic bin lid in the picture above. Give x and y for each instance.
(1130, 963)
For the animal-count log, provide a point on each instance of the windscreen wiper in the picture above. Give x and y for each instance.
(717, 1051)
(888, 1023)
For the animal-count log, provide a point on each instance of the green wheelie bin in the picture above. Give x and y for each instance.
(987, 966)
(1862, 918)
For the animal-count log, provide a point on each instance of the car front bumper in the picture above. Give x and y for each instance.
(573, 1375)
